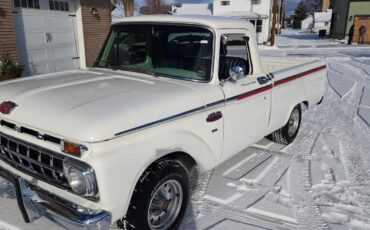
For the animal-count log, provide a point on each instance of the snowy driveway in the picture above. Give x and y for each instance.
(321, 181)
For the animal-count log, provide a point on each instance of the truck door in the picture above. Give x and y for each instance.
(247, 109)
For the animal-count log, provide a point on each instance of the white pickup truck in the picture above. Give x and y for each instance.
(116, 142)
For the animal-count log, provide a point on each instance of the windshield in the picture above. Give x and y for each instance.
(183, 52)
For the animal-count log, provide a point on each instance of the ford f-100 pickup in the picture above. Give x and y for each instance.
(115, 143)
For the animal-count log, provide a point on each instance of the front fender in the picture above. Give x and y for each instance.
(120, 162)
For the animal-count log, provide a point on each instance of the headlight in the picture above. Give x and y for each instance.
(77, 181)
(81, 178)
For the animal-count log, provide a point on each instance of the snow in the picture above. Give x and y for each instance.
(320, 181)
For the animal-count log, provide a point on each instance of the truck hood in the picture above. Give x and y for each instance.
(92, 106)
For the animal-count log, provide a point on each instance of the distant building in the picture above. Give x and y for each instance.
(347, 13)
(307, 24)
(195, 8)
(258, 12)
(322, 21)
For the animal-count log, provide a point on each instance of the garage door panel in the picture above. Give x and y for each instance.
(30, 41)
(46, 39)
(62, 65)
(65, 53)
(39, 68)
(63, 38)
(33, 22)
(61, 22)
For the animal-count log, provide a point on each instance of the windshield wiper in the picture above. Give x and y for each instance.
(107, 64)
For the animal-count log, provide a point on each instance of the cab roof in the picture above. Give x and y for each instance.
(213, 22)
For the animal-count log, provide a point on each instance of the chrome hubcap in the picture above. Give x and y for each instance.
(293, 123)
(165, 205)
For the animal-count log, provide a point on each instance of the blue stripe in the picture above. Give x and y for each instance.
(160, 121)
(188, 112)
(170, 118)
(216, 103)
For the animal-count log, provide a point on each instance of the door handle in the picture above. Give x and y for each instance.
(214, 116)
(263, 80)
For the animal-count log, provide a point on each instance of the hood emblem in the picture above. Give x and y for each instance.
(7, 107)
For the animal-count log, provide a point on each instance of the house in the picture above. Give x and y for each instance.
(194, 8)
(258, 12)
(347, 13)
(322, 21)
(53, 35)
(307, 24)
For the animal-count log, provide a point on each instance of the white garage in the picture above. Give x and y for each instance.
(46, 35)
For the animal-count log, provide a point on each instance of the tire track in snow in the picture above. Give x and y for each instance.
(307, 212)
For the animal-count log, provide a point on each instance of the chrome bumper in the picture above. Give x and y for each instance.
(34, 202)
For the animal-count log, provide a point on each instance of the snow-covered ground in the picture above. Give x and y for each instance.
(320, 181)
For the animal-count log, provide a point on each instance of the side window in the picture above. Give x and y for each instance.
(234, 55)
(30, 4)
(58, 5)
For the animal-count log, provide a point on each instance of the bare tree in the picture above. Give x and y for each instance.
(128, 5)
(159, 6)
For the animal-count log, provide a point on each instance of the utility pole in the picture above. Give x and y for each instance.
(282, 13)
(273, 28)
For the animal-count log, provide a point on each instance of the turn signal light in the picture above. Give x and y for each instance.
(72, 148)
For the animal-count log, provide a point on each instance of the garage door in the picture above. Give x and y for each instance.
(359, 20)
(45, 35)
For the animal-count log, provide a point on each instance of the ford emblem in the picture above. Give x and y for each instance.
(7, 107)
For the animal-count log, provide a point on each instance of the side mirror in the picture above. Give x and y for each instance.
(236, 72)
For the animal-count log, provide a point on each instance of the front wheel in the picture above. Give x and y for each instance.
(288, 133)
(160, 198)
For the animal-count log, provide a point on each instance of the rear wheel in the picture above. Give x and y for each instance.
(160, 198)
(288, 133)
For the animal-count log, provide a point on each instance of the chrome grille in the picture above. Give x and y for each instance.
(33, 160)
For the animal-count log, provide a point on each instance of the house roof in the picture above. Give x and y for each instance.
(214, 22)
(207, 9)
(243, 14)
(194, 8)
(323, 16)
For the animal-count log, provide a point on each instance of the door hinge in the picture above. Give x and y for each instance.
(75, 58)
(14, 12)
(72, 15)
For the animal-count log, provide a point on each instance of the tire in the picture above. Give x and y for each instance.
(288, 133)
(160, 198)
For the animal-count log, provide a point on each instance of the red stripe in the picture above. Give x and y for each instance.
(291, 78)
(254, 92)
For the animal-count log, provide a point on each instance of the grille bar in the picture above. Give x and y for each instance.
(31, 159)
(31, 132)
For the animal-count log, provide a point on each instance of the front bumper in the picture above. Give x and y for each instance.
(34, 202)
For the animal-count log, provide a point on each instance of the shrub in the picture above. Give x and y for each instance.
(8, 68)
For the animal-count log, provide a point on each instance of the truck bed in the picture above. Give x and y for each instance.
(275, 64)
